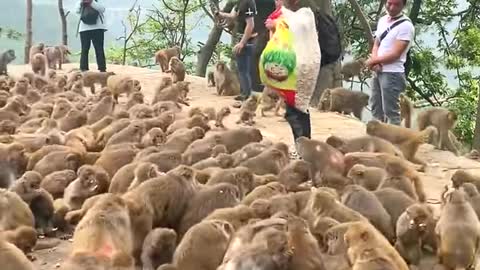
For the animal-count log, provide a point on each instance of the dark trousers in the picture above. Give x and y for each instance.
(299, 122)
(97, 38)
(260, 42)
(244, 66)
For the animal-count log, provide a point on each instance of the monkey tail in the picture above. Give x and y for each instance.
(410, 147)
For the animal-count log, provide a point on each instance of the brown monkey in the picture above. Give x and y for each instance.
(162, 57)
(57, 161)
(209, 112)
(35, 49)
(195, 121)
(134, 99)
(473, 196)
(56, 182)
(6, 58)
(394, 201)
(264, 192)
(247, 111)
(21, 86)
(406, 110)
(270, 100)
(164, 106)
(221, 160)
(158, 248)
(13, 258)
(91, 180)
(221, 114)
(462, 176)
(215, 234)
(295, 173)
(366, 203)
(233, 139)
(123, 178)
(27, 186)
(368, 249)
(176, 93)
(105, 134)
(104, 232)
(54, 56)
(211, 79)
(226, 82)
(23, 237)
(39, 64)
(321, 156)
(346, 101)
(364, 144)
(182, 138)
(154, 137)
(7, 127)
(239, 176)
(14, 211)
(319, 229)
(414, 226)
(458, 232)
(133, 133)
(303, 246)
(269, 162)
(140, 111)
(119, 84)
(143, 172)
(43, 211)
(90, 78)
(248, 151)
(237, 216)
(101, 109)
(353, 68)
(367, 177)
(222, 195)
(177, 69)
(397, 169)
(444, 120)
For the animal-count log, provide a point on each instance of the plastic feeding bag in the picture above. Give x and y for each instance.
(291, 59)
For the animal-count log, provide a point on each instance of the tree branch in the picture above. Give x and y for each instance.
(419, 91)
(363, 22)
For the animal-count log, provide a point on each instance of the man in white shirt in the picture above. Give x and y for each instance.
(387, 61)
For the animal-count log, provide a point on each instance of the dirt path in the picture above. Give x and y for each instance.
(441, 164)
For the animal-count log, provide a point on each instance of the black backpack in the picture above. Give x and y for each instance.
(328, 38)
(89, 15)
(408, 62)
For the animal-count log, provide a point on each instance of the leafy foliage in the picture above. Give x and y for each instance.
(9, 33)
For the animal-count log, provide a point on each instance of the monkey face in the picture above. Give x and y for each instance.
(372, 127)
(418, 218)
(31, 180)
(220, 67)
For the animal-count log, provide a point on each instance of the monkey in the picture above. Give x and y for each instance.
(396, 170)
(162, 121)
(105, 134)
(269, 162)
(133, 133)
(346, 101)
(56, 182)
(143, 172)
(90, 78)
(165, 160)
(302, 245)
(215, 234)
(264, 192)
(295, 173)
(158, 248)
(208, 112)
(239, 176)
(101, 109)
(175, 93)
(39, 64)
(473, 196)
(221, 160)
(368, 249)
(353, 68)
(54, 56)
(73, 120)
(23, 237)
(366, 203)
(457, 231)
(6, 58)
(154, 137)
(179, 141)
(105, 230)
(14, 211)
(137, 86)
(237, 216)
(226, 82)
(408, 140)
(27, 186)
(444, 120)
(13, 110)
(364, 144)
(211, 79)
(123, 178)
(367, 177)
(21, 86)
(414, 226)
(162, 57)
(248, 151)
(321, 156)
(119, 84)
(462, 176)
(140, 111)
(43, 211)
(406, 110)
(7, 127)
(221, 195)
(247, 111)
(36, 49)
(134, 99)
(270, 100)
(221, 114)
(394, 201)
(57, 161)
(177, 69)
(13, 258)
(195, 121)
(164, 106)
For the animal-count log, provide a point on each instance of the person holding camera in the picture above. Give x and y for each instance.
(92, 30)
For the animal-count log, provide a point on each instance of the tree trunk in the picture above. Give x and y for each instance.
(205, 53)
(476, 133)
(63, 19)
(28, 38)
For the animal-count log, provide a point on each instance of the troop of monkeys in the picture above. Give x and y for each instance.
(153, 184)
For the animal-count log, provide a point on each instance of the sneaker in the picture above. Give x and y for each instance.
(239, 98)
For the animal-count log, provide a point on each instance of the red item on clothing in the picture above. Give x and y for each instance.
(274, 15)
(288, 96)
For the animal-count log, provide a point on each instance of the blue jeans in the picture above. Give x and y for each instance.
(386, 90)
(244, 66)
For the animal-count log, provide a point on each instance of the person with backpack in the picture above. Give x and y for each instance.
(393, 39)
(91, 28)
